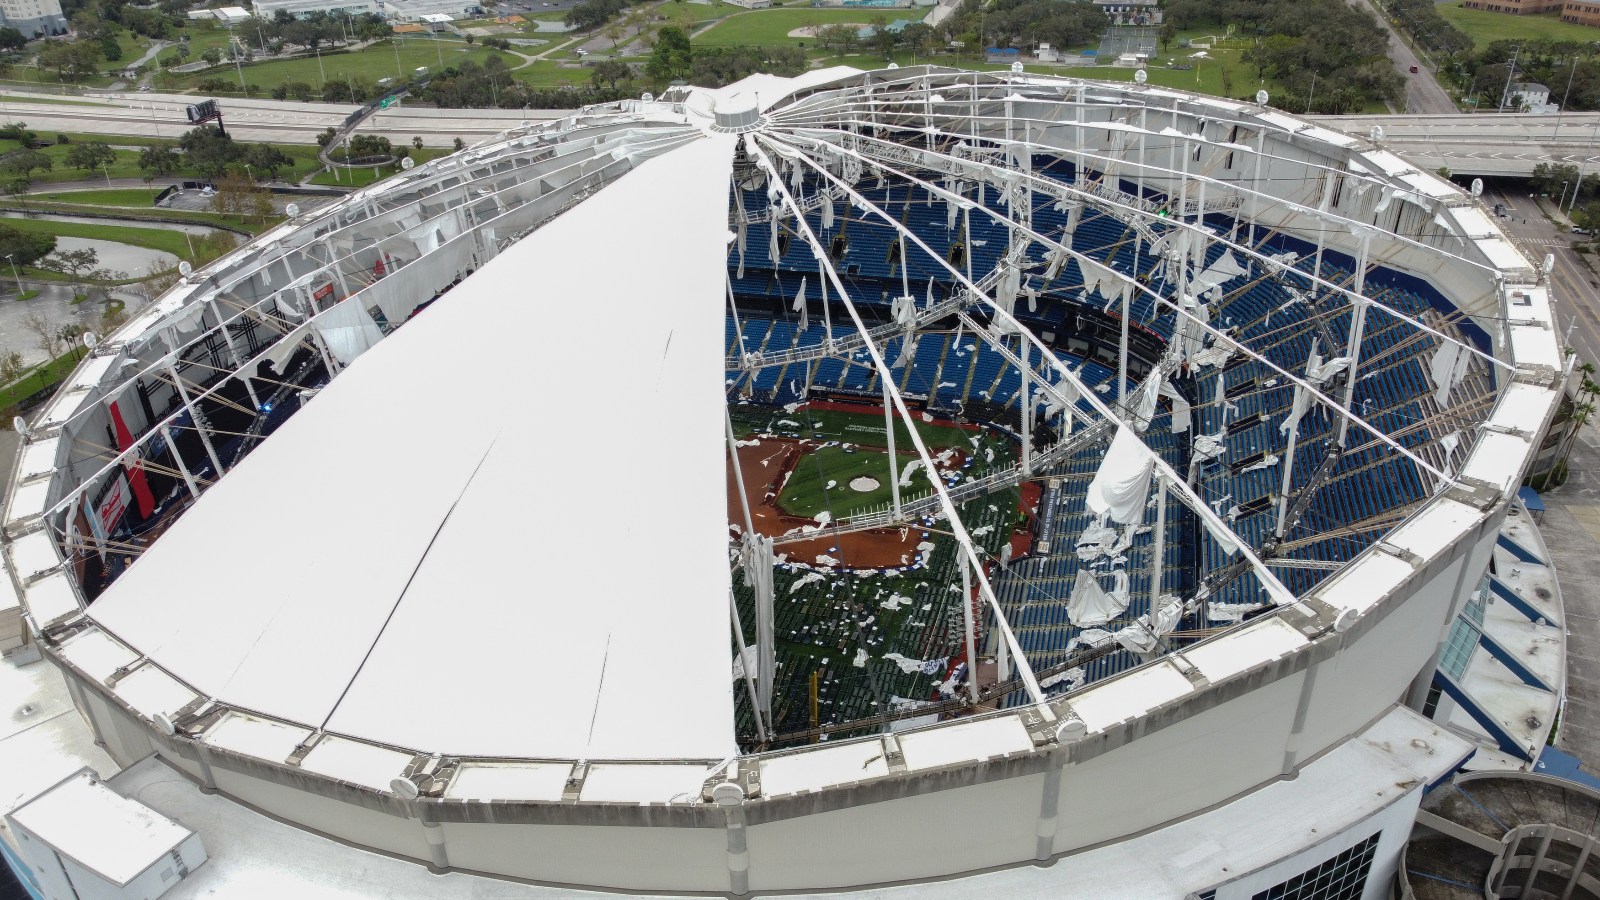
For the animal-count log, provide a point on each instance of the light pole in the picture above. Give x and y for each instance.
(14, 274)
(320, 73)
(1564, 94)
(106, 168)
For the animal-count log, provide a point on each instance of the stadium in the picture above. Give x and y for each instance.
(855, 479)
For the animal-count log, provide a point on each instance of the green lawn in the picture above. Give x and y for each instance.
(8, 99)
(1485, 27)
(821, 480)
(373, 63)
(38, 378)
(551, 73)
(174, 242)
(771, 27)
(364, 176)
(137, 198)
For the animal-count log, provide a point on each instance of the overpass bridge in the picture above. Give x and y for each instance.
(1506, 145)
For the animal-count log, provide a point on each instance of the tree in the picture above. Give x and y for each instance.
(12, 39)
(11, 367)
(611, 71)
(326, 136)
(416, 142)
(45, 336)
(158, 161)
(23, 163)
(269, 159)
(110, 49)
(17, 131)
(672, 57)
(23, 247)
(838, 37)
(76, 263)
(212, 56)
(208, 151)
(459, 144)
(237, 196)
(90, 155)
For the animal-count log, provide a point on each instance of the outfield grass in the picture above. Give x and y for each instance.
(821, 480)
(771, 27)
(372, 63)
(1485, 27)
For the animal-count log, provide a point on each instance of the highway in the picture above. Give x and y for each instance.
(164, 116)
(1491, 145)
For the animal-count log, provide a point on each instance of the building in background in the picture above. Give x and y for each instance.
(34, 18)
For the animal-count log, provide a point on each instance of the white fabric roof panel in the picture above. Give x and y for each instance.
(450, 504)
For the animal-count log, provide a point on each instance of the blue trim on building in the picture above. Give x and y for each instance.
(1508, 595)
(1502, 738)
(1517, 550)
(1561, 764)
(1510, 661)
(23, 873)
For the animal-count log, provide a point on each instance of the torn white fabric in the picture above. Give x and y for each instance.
(1089, 604)
(1181, 415)
(1447, 368)
(1265, 462)
(347, 330)
(1120, 484)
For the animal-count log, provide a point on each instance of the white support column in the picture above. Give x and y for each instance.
(827, 316)
(738, 473)
(738, 326)
(1122, 349)
(967, 623)
(1159, 557)
(1358, 328)
(756, 708)
(888, 433)
(188, 479)
(1255, 197)
(1025, 406)
(1288, 479)
(233, 350)
(194, 417)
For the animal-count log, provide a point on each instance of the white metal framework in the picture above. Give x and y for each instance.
(1268, 374)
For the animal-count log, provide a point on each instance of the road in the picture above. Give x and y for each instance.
(1574, 286)
(1423, 94)
(164, 116)
(1490, 144)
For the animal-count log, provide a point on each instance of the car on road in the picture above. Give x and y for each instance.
(1413, 70)
(1578, 229)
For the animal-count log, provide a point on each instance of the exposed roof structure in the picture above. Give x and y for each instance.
(1194, 421)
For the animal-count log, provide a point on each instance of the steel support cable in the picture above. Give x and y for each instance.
(1206, 234)
(1176, 482)
(964, 540)
(1132, 283)
(1231, 187)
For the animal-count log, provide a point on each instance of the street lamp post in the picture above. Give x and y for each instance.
(1564, 94)
(320, 73)
(14, 275)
